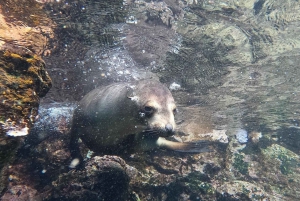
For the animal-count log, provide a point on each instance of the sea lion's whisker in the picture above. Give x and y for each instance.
(149, 129)
(150, 132)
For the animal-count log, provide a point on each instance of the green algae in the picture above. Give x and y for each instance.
(287, 159)
(240, 164)
(198, 183)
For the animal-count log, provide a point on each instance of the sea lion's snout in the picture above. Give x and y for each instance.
(163, 130)
(162, 122)
(169, 128)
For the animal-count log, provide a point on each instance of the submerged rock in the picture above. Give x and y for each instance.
(242, 190)
(281, 169)
(103, 178)
(21, 193)
(23, 80)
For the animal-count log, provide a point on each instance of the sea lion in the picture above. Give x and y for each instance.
(124, 117)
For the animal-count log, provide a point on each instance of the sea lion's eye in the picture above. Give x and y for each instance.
(175, 111)
(148, 110)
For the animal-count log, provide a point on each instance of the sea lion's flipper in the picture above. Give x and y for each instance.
(189, 147)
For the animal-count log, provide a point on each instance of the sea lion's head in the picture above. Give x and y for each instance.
(156, 107)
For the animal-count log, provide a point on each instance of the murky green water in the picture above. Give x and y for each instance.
(237, 62)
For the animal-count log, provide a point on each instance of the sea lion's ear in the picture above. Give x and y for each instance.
(130, 92)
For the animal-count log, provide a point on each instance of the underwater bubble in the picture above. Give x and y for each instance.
(174, 86)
